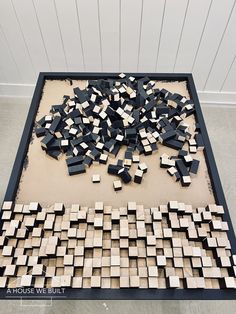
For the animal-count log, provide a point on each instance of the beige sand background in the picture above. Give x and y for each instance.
(45, 180)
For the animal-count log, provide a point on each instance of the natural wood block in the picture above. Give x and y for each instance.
(21, 260)
(79, 251)
(153, 282)
(78, 261)
(115, 260)
(117, 185)
(37, 232)
(99, 206)
(7, 205)
(167, 233)
(173, 282)
(50, 249)
(60, 250)
(115, 271)
(72, 232)
(151, 240)
(7, 251)
(50, 271)
(211, 272)
(39, 282)
(34, 207)
(10, 270)
(224, 261)
(161, 260)
(68, 259)
(196, 262)
(32, 260)
(38, 270)
(178, 262)
(133, 251)
(134, 281)
(59, 208)
(151, 251)
(6, 215)
(191, 283)
(66, 281)
(80, 233)
(132, 207)
(96, 178)
(48, 225)
(95, 281)
(152, 271)
(206, 261)
(173, 205)
(124, 282)
(76, 282)
(26, 281)
(229, 282)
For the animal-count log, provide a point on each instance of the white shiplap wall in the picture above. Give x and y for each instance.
(195, 36)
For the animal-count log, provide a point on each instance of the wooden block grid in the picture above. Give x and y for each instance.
(169, 246)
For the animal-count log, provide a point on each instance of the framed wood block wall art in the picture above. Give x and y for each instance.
(115, 194)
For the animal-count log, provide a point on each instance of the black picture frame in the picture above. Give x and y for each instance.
(130, 293)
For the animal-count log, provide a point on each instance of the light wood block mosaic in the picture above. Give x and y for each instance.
(167, 246)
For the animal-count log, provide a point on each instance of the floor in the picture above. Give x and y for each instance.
(220, 122)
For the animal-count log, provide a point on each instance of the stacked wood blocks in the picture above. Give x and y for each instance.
(110, 113)
(168, 246)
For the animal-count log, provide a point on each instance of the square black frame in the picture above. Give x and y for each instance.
(129, 293)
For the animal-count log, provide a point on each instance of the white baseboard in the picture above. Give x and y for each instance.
(217, 98)
(21, 93)
(16, 93)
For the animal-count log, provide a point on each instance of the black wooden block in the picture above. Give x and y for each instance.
(74, 161)
(77, 169)
(47, 140)
(87, 161)
(54, 125)
(199, 141)
(113, 169)
(54, 145)
(130, 133)
(174, 144)
(194, 167)
(56, 154)
(123, 173)
(80, 95)
(138, 176)
(40, 132)
(182, 153)
(166, 136)
(181, 168)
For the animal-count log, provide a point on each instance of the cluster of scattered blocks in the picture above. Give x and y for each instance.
(181, 167)
(111, 113)
(168, 246)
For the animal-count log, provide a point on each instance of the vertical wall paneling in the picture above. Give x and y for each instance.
(215, 27)
(16, 42)
(229, 84)
(48, 22)
(119, 35)
(193, 28)
(70, 32)
(224, 57)
(173, 22)
(130, 34)
(109, 22)
(8, 68)
(89, 25)
(150, 34)
(27, 19)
